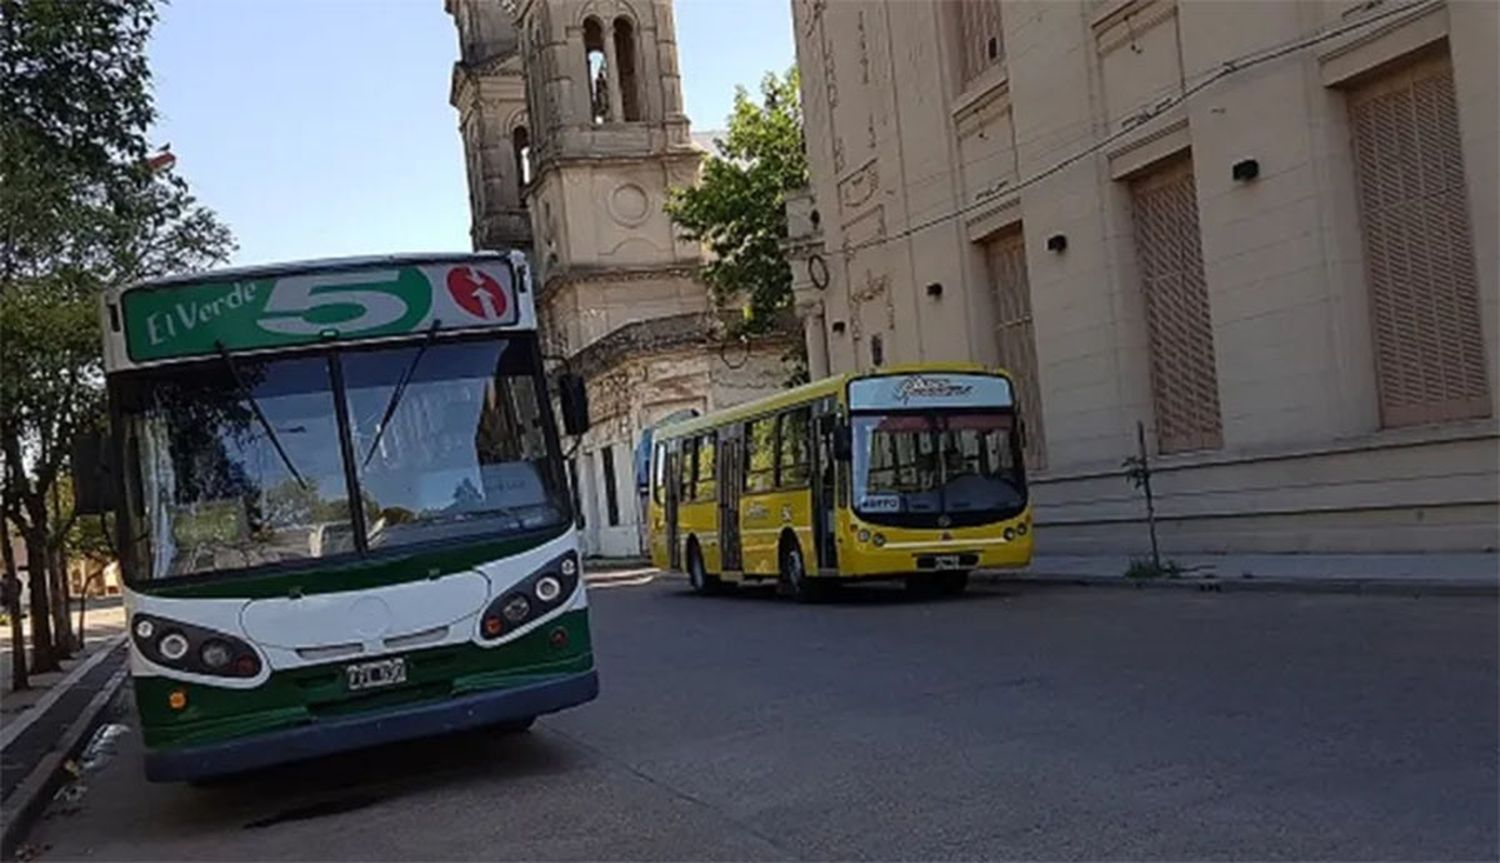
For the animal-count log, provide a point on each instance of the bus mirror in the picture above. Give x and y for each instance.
(93, 493)
(843, 443)
(574, 398)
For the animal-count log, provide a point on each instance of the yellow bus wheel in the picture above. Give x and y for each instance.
(794, 581)
(698, 577)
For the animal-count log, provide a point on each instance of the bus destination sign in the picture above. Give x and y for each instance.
(929, 390)
(195, 319)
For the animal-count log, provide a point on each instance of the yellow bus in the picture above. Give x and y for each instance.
(911, 472)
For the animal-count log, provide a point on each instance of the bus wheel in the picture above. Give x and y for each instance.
(794, 581)
(698, 577)
(516, 726)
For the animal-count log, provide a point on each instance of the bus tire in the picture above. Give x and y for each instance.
(699, 580)
(794, 581)
(516, 726)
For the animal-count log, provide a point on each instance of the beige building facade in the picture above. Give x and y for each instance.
(1265, 231)
(571, 117)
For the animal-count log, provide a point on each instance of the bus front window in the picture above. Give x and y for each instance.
(449, 441)
(232, 467)
(909, 468)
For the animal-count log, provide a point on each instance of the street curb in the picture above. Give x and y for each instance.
(623, 575)
(1262, 584)
(39, 709)
(31, 797)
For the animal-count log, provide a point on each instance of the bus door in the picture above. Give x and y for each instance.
(673, 483)
(731, 470)
(825, 425)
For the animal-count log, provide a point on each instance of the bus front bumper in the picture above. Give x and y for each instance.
(357, 732)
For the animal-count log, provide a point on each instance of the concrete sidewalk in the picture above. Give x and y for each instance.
(1452, 573)
(42, 727)
(104, 620)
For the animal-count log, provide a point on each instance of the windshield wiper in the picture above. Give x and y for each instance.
(390, 407)
(248, 396)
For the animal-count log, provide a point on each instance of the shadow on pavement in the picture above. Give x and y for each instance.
(345, 782)
(871, 593)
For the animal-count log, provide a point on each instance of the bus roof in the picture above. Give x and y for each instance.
(808, 392)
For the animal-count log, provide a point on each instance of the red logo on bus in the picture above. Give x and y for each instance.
(477, 293)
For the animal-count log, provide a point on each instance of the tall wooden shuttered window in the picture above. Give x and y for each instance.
(1016, 336)
(981, 43)
(1424, 303)
(1184, 382)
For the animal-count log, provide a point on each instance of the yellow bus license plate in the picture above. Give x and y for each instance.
(373, 675)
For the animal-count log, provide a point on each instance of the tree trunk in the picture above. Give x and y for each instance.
(12, 591)
(43, 652)
(62, 622)
(57, 562)
(83, 603)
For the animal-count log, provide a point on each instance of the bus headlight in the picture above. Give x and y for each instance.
(879, 539)
(864, 535)
(215, 654)
(189, 647)
(173, 646)
(548, 588)
(1010, 534)
(532, 598)
(1021, 529)
(516, 609)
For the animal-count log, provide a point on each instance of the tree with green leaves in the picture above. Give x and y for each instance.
(84, 203)
(738, 207)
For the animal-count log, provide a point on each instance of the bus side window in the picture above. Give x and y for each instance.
(760, 454)
(706, 487)
(792, 463)
(689, 474)
(658, 472)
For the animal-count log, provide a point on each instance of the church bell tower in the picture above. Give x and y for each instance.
(609, 141)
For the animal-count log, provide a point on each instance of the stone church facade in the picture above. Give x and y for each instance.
(1265, 232)
(570, 112)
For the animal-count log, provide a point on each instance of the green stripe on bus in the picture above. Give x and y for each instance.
(303, 695)
(352, 575)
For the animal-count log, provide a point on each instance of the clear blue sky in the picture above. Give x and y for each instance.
(322, 127)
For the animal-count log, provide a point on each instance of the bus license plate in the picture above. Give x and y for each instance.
(373, 675)
(947, 561)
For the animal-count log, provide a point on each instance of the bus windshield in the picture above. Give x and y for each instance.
(239, 464)
(463, 453)
(963, 465)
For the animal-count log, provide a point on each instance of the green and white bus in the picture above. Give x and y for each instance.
(342, 509)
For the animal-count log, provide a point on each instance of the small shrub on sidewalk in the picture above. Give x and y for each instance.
(1143, 568)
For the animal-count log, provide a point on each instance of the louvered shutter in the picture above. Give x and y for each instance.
(1184, 382)
(1016, 336)
(1424, 300)
(980, 38)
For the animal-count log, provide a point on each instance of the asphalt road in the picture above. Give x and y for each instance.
(1011, 723)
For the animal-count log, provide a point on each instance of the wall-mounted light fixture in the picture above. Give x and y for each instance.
(1245, 170)
(935, 289)
(1057, 243)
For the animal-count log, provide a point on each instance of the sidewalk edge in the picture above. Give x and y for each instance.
(30, 798)
(1383, 586)
(23, 721)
